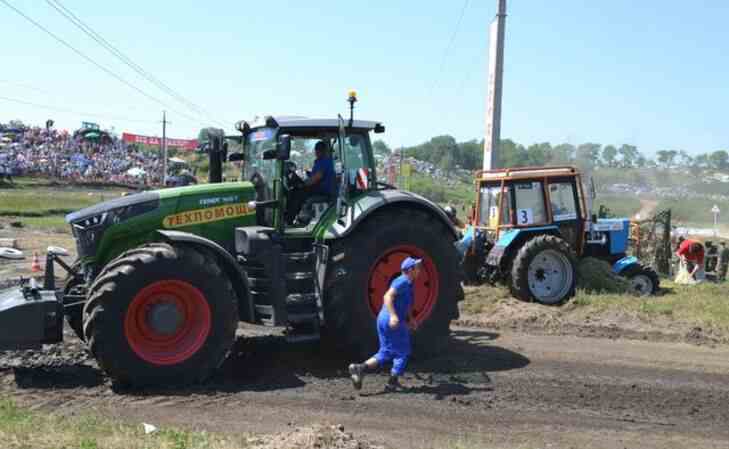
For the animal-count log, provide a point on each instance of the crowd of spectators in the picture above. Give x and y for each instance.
(58, 154)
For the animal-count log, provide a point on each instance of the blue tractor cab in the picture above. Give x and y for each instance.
(533, 227)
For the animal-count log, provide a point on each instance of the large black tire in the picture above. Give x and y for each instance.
(553, 273)
(643, 279)
(111, 307)
(350, 322)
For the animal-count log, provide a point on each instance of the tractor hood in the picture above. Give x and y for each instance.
(211, 211)
(117, 203)
(152, 198)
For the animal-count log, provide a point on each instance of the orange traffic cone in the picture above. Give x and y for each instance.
(35, 266)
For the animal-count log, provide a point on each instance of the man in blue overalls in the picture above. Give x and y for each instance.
(393, 328)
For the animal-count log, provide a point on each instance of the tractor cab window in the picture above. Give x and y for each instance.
(562, 199)
(529, 198)
(356, 159)
(303, 152)
(489, 203)
(258, 142)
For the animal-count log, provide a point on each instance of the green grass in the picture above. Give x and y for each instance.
(461, 193)
(23, 429)
(695, 212)
(51, 223)
(37, 203)
(38, 198)
(704, 305)
(620, 206)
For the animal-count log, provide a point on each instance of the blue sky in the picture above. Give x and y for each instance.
(652, 73)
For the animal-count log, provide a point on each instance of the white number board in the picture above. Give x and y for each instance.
(525, 216)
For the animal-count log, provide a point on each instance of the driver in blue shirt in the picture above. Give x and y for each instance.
(320, 185)
(321, 178)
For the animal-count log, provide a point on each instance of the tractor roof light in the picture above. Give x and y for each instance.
(352, 96)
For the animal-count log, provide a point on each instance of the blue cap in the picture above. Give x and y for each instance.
(409, 263)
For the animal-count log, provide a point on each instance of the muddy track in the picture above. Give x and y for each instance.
(508, 390)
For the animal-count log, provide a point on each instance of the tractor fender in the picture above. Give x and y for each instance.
(238, 277)
(373, 201)
(624, 263)
(510, 241)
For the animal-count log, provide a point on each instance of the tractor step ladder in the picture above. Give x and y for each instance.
(299, 308)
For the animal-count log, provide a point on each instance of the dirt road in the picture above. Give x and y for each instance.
(495, 390)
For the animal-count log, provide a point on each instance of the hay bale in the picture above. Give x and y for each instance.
(596, 276)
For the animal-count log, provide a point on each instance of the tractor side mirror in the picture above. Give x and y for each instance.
(283, 147)
(235, 157)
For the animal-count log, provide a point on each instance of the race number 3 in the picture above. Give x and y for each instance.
(525, 216)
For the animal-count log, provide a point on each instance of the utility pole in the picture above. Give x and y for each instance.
(495, 82)
(164, 148)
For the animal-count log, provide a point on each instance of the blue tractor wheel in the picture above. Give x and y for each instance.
(643, 279)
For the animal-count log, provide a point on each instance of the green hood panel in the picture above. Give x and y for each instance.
(212, 211)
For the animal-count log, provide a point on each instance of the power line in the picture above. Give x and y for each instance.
(27, 86)
(83, 114)
(96, 64)
(58, 6)
(450, 44)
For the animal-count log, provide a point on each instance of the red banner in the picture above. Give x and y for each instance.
(185, 144)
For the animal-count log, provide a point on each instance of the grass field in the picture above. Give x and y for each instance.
(40, 204)
(21, 429)
(30, 198)
(703, 306)
(24, 429)
(695, 212)
(620, 206)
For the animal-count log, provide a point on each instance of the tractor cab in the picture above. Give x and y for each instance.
(517, 199)
(282, 154)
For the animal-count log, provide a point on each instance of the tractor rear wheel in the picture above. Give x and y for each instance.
(365, 264)
(643, 280)
(544, 270)
(161, 314)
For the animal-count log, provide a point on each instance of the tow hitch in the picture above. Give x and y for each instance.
(31, 316)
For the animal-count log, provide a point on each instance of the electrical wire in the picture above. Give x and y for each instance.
(83, 114)
(448, 47)
(73, 18)
(96, 64)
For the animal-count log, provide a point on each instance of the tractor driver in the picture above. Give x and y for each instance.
(320, 185)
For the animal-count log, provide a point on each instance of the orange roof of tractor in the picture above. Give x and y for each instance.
(525, 172)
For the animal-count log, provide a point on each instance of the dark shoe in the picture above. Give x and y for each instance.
(393, 384)
(357, 373)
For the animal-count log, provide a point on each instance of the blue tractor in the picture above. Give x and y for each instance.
(530, 229)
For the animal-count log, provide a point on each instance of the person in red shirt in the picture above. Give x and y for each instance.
(691, 252)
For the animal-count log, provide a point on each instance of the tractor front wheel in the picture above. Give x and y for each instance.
(161, 314)
(643, 280)
(544, 270)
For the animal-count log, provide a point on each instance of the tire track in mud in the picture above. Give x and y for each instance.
(485, 384)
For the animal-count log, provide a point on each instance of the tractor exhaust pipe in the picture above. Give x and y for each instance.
(212, 141)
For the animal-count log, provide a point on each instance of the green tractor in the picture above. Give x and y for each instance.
(164, 277)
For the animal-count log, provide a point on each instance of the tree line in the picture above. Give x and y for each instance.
(448, 154)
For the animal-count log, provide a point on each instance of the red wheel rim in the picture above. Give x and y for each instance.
(387, 267)
(192, 329)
